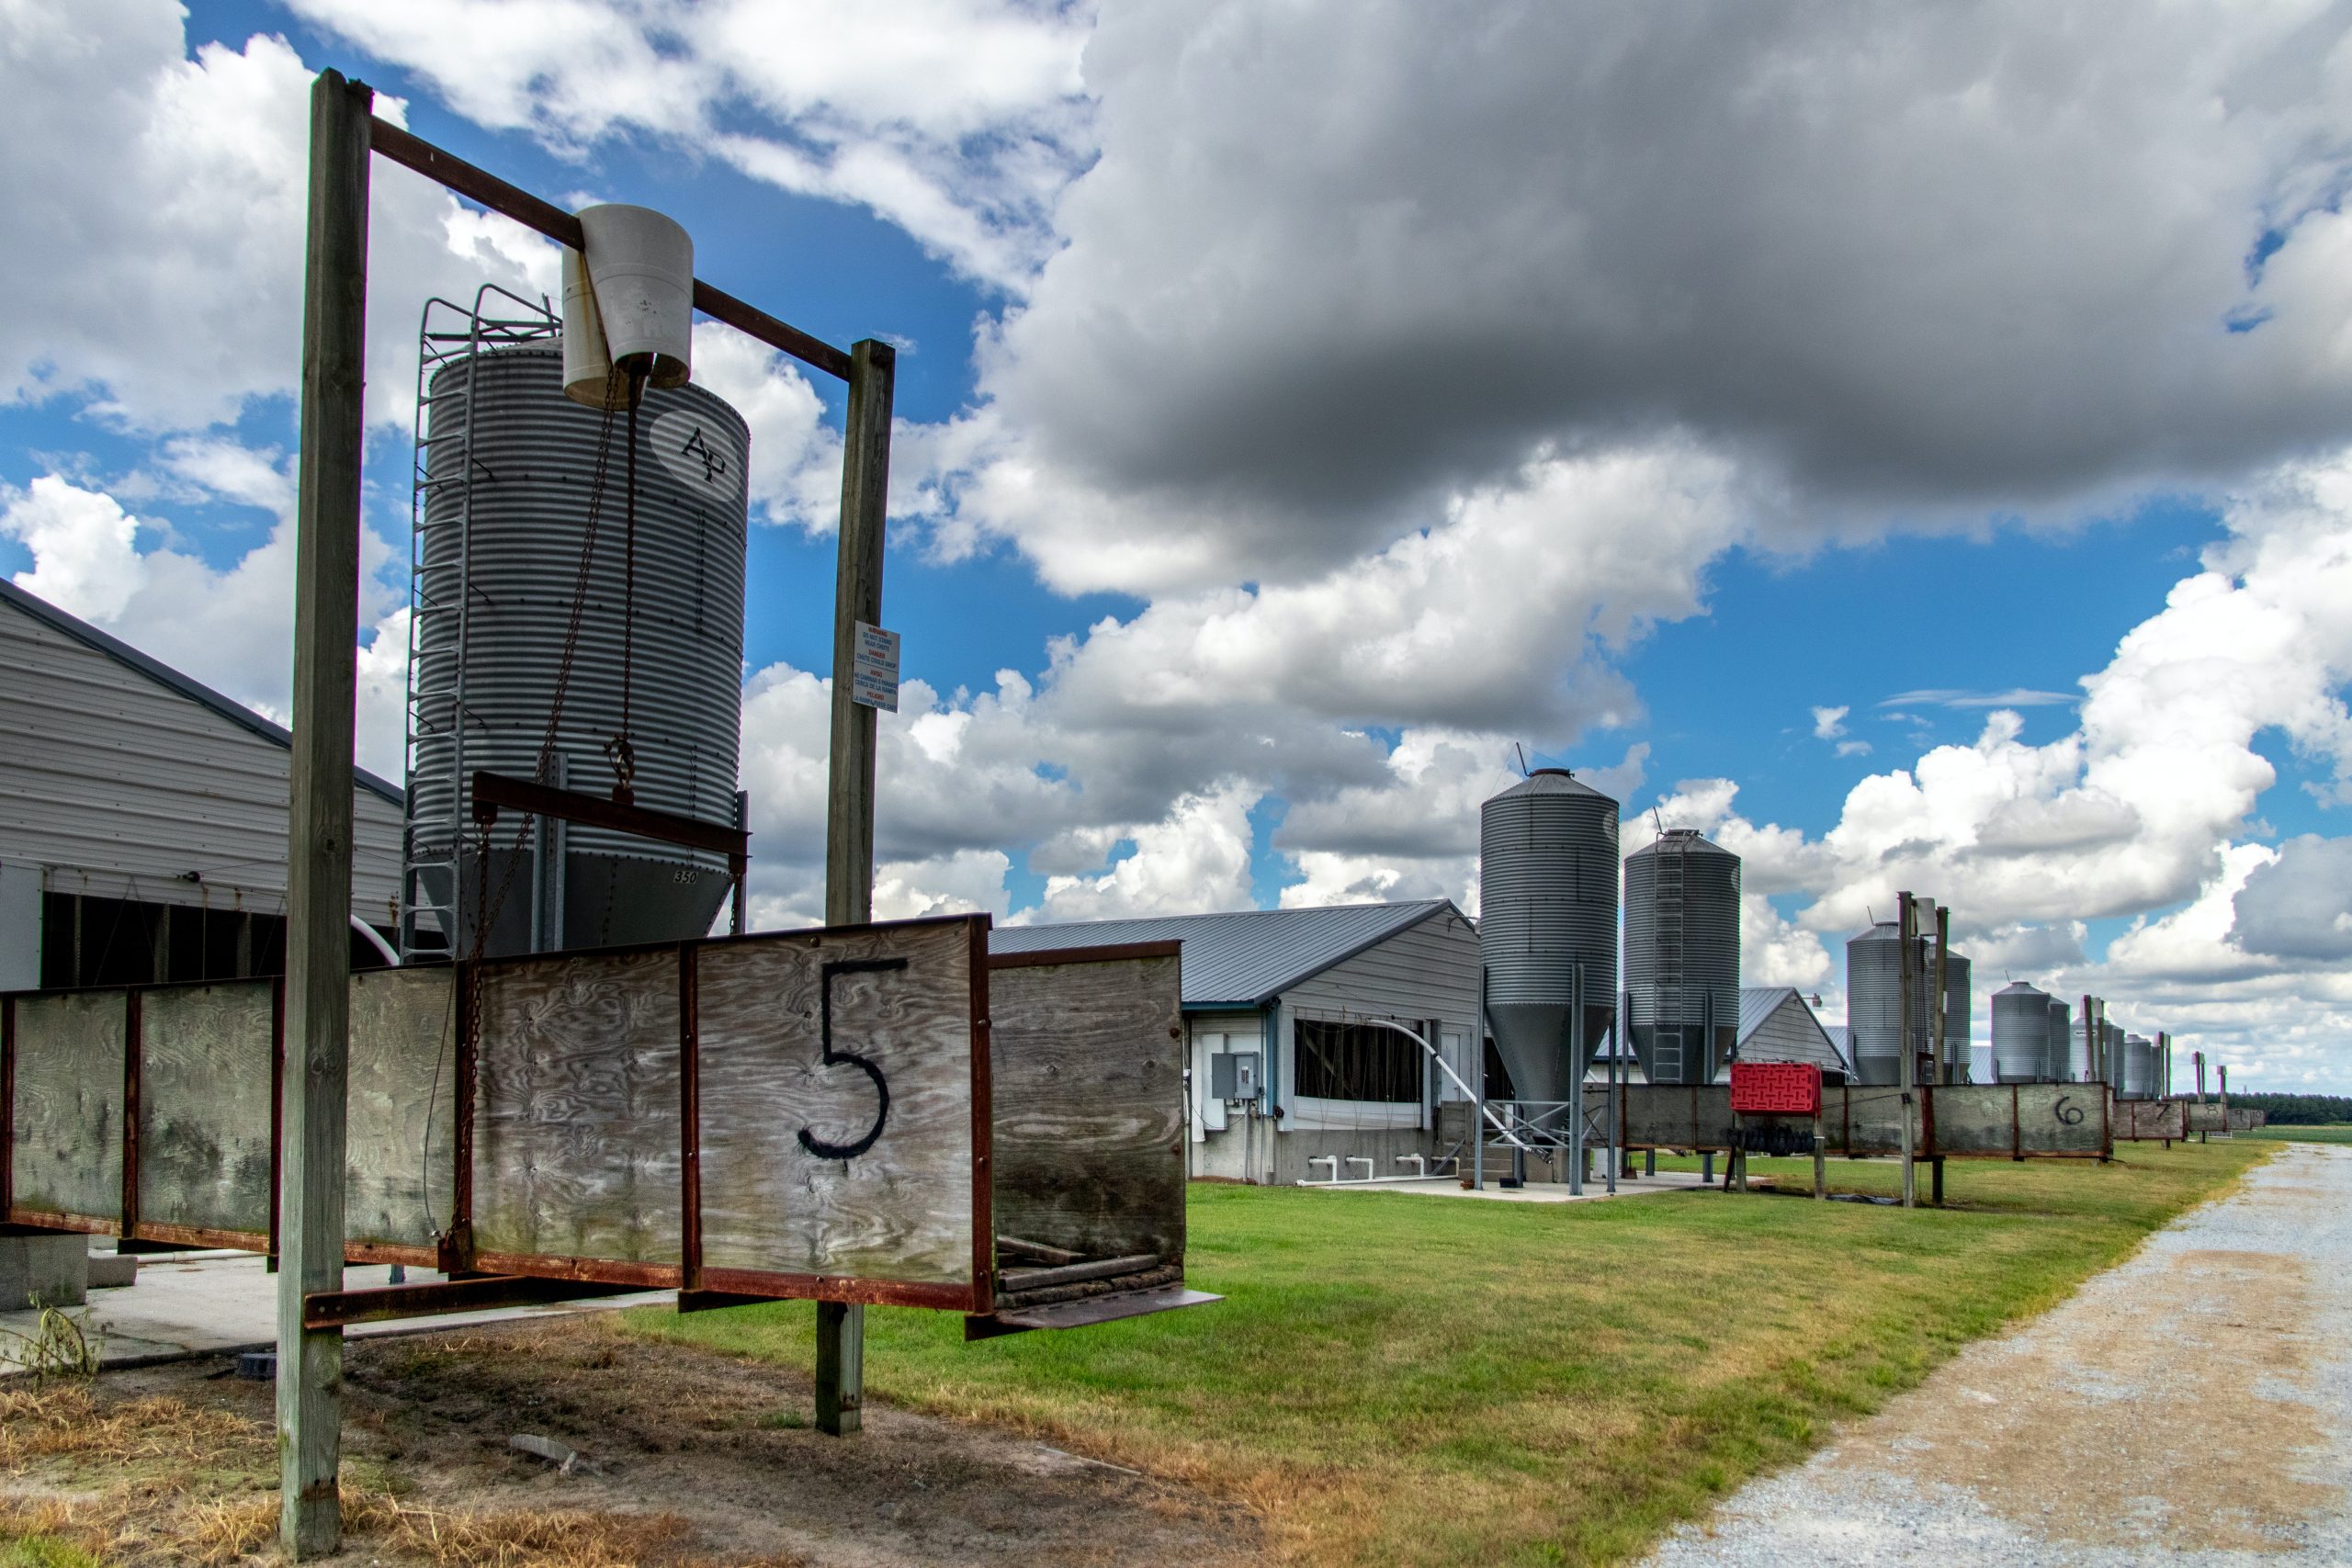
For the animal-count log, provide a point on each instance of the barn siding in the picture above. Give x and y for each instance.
(112, 777)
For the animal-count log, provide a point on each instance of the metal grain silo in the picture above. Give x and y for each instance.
(508, 467)
(1683, 956)
(2020, 1034)
(1874, 1003)
(2139, 1067)
(1547, 898)
(1959, 1003)
(2111, 1052)
(2058, 1066)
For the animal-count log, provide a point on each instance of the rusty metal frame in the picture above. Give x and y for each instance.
(383, 1304)
(1108, 953)
(478, 184)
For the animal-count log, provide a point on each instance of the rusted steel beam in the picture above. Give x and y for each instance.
(336, 1309)
(589, 1270)
(763, 1285)
(200, 1236)
(480, 185)
(1106, 953)
(492, 791)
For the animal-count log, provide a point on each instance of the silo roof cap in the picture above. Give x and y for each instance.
(1553, 781)
(2016, 987)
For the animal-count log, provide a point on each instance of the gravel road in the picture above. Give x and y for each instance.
(2191, 1406)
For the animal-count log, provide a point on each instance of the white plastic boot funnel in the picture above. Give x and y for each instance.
(640, 268)
(587, 363)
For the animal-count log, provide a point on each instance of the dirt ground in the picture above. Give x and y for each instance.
(692, 1458)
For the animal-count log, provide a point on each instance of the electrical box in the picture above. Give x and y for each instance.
(1233, 1075)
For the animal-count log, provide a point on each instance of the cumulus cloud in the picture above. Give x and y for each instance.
(2298, 904)
(957, 120)
(156, 236)
(1337, 262)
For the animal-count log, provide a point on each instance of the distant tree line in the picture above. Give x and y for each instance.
(2301, 1110)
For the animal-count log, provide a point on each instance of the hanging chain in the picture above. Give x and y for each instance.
(489, 904)
(620, 747)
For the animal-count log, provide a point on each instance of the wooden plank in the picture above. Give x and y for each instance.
(1088, 1087)
(862, 1167)
(204, 1114)
(401, 1167)
(67, 1128)
(319, 810)
(576, 1128)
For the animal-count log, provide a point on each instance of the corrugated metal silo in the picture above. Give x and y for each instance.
(2020, 1034)
(533, 464)
(2058, 1066)
(2112, 1048)
(1874, 1003)
(1683, 956)
(2139, 1067)
(1959, 1003)
(1548, 897)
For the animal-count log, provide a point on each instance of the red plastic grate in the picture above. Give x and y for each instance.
(1775, 1089)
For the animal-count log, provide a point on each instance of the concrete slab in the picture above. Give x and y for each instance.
(189, 1304)
(1534, 1192)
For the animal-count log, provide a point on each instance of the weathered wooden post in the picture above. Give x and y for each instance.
(1938, 1069)
(849, 814)
(1907, 915)
(319, 812)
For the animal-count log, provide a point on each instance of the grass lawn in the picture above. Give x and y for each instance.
(1399, 1377)
(2335, 1134)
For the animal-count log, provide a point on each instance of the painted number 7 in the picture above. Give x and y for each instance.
(832, 1058)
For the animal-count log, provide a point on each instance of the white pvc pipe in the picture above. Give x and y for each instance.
(1435, 1056)
(392, 955)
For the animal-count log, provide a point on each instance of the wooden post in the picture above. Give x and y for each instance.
(1820, 1158)
(1907, 932)
(318, 815)
(849, 810)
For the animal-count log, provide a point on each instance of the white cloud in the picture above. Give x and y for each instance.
(1338, 263)
(156, 224)
(958, 121)
(1829, 722)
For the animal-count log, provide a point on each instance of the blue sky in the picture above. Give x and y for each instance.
(1295, 517)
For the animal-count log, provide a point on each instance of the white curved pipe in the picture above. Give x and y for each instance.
(376, 939)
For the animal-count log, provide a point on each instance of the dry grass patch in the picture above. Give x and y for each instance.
(159, 1480)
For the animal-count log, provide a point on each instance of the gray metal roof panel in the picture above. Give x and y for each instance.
(1241, 957)
(164, 674)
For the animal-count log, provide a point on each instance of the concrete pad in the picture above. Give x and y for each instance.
(43, 1270)
(1534, 1192)
(189, 1304)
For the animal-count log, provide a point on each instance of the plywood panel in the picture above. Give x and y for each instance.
(2055, 1119)
(2151, 1119)
(1872, 1121)
(68, 1119)
(1089, 1097)
(401, 1180)
(576, 1116)
(204, 1112)
(807, 1166)
(1671, 1116)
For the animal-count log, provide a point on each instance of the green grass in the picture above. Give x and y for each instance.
(1401, 1378)
(2335, 1134)
(42, 1551)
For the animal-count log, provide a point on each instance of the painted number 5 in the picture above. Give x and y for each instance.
(818, 1147)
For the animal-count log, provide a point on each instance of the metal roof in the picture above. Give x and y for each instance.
(1244, 957)
(1757, 1003)
(164, 674)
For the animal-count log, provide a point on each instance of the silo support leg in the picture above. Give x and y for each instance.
(840, 1367)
